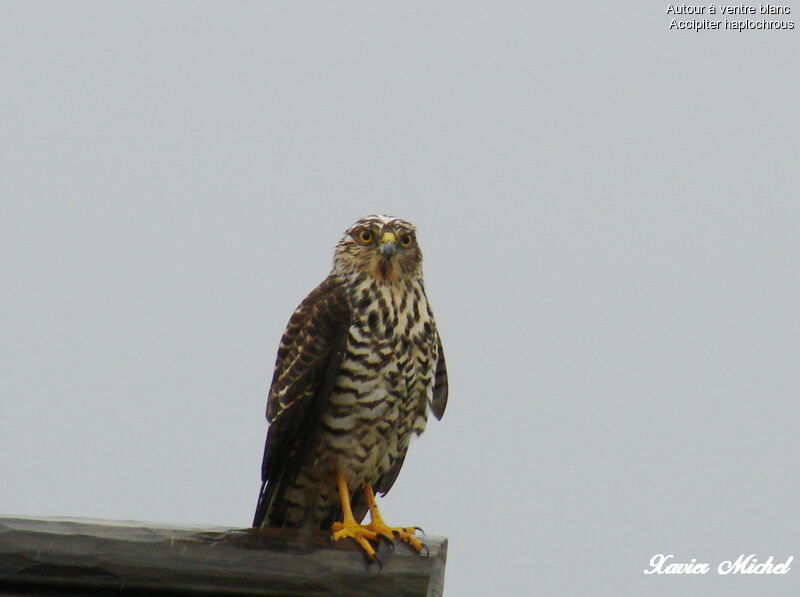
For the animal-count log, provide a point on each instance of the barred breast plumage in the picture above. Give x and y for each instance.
(385, 383)
(359, 366)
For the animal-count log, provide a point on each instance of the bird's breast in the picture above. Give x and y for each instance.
(385, 380)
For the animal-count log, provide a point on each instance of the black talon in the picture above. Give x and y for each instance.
(427, 551)
(387, 540)
(420, 530)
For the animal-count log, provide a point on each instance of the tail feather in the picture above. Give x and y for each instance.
(262, 508)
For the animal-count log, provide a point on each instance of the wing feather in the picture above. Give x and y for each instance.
(308, 361)
(439, 400)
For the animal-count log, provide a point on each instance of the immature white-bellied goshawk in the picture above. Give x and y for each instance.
(358, 367)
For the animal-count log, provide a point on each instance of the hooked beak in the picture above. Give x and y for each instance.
(387, 245)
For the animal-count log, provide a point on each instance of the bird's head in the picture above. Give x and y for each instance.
(383, 247)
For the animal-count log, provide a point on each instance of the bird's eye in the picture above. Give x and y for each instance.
(365, 237)
(405, 240)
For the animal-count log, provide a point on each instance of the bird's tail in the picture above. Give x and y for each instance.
(262, 509)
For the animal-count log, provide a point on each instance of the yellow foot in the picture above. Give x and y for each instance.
(362, 535)
(405, 534)
(376, 525)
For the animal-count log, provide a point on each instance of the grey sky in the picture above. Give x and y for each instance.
(609, 219)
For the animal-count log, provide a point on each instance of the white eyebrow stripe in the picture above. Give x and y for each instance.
(382, 220)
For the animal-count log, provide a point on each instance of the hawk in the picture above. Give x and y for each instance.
(359, 365)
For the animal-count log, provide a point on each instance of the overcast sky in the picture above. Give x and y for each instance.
(608, 211)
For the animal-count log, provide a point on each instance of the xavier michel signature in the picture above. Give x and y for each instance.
(744, 564)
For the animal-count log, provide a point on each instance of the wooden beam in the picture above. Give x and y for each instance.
(93, 557)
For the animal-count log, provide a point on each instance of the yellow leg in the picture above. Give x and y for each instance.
(349, 527)
(379, 527)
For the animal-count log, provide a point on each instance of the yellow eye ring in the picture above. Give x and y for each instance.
(365, 237)
(405, 240)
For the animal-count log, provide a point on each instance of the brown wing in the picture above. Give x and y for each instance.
(439, 400)
(309, 357)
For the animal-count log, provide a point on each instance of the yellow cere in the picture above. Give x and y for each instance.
(388, 237)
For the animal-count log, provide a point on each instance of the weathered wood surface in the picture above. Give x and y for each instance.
(89, 557)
